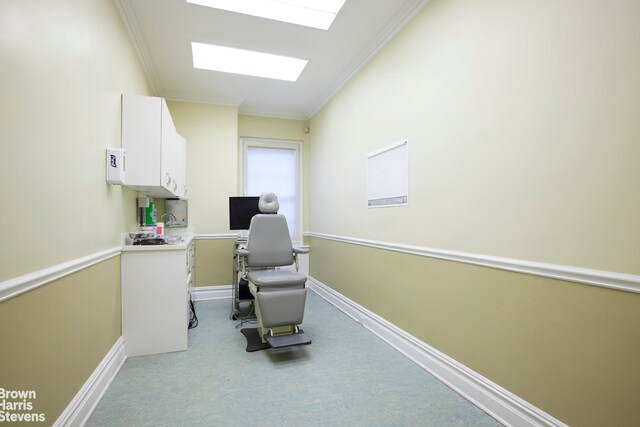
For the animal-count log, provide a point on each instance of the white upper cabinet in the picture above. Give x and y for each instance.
(181, 164)
(168, 158)
(149, 137)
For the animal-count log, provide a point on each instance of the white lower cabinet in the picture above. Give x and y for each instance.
(156, 282)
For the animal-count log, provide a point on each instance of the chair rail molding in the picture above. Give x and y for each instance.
(19, 285)
(501, 404)
(607, 279)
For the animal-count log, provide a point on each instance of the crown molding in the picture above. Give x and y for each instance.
(131, 25)
(226, 102)
(397, 23)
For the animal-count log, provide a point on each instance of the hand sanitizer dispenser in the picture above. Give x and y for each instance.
(115, 166)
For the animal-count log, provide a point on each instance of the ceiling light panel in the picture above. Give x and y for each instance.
(246, 62)
(310, 13)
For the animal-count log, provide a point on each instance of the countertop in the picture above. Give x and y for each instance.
(186, 240)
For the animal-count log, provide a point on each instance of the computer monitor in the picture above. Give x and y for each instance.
(241, 210)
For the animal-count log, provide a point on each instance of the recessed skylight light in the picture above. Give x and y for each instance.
(310, 13)
(247, 62)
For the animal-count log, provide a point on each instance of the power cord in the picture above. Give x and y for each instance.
(247, 318)
(193, 319)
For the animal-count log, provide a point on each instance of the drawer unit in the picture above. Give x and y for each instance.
(156, 285)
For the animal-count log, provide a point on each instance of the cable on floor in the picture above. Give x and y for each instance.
(247, 318)
(193, 319)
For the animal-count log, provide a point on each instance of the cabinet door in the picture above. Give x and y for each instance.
(140, 137)
(181, 166)
(154, 301)
(168, 171)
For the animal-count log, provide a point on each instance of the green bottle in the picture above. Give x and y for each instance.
(150, 214)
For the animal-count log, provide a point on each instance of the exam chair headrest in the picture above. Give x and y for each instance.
(268, 203)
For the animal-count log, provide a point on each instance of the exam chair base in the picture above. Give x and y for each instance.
(289, 340)
(254, 342)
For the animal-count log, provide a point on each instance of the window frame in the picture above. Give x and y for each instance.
(276, 144)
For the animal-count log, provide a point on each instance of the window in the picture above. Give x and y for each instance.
(275, 166)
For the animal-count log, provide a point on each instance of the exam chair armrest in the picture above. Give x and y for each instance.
(242, 252)
(300, 250)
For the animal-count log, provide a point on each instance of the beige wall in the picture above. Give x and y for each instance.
(523, 138)
(214, 262)
(523, 132)
(211, 132)
(64, 66)
(569, 349)
(55, 336)
(522, 122)
(272, 127)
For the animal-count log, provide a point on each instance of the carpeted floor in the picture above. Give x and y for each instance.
(346, 377)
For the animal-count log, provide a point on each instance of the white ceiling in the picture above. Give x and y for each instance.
(162, 32)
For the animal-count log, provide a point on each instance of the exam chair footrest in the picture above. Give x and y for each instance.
(279, 341)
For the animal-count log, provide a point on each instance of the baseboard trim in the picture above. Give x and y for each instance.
(205, 293)
(215, 236)
(85, 401)
(501, 404)
(19, 285)
(607, 279)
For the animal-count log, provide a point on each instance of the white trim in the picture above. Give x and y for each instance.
(205, 293)
(501, 404)
(607, 279)
(130, 22)
(389, 147)
(396, 23)
(215, 236)
(234, 102)
(19, 285)
(85, 401)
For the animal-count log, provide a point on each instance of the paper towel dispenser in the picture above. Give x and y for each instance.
(115, 167)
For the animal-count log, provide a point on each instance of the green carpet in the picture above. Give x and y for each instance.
(346, 377)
